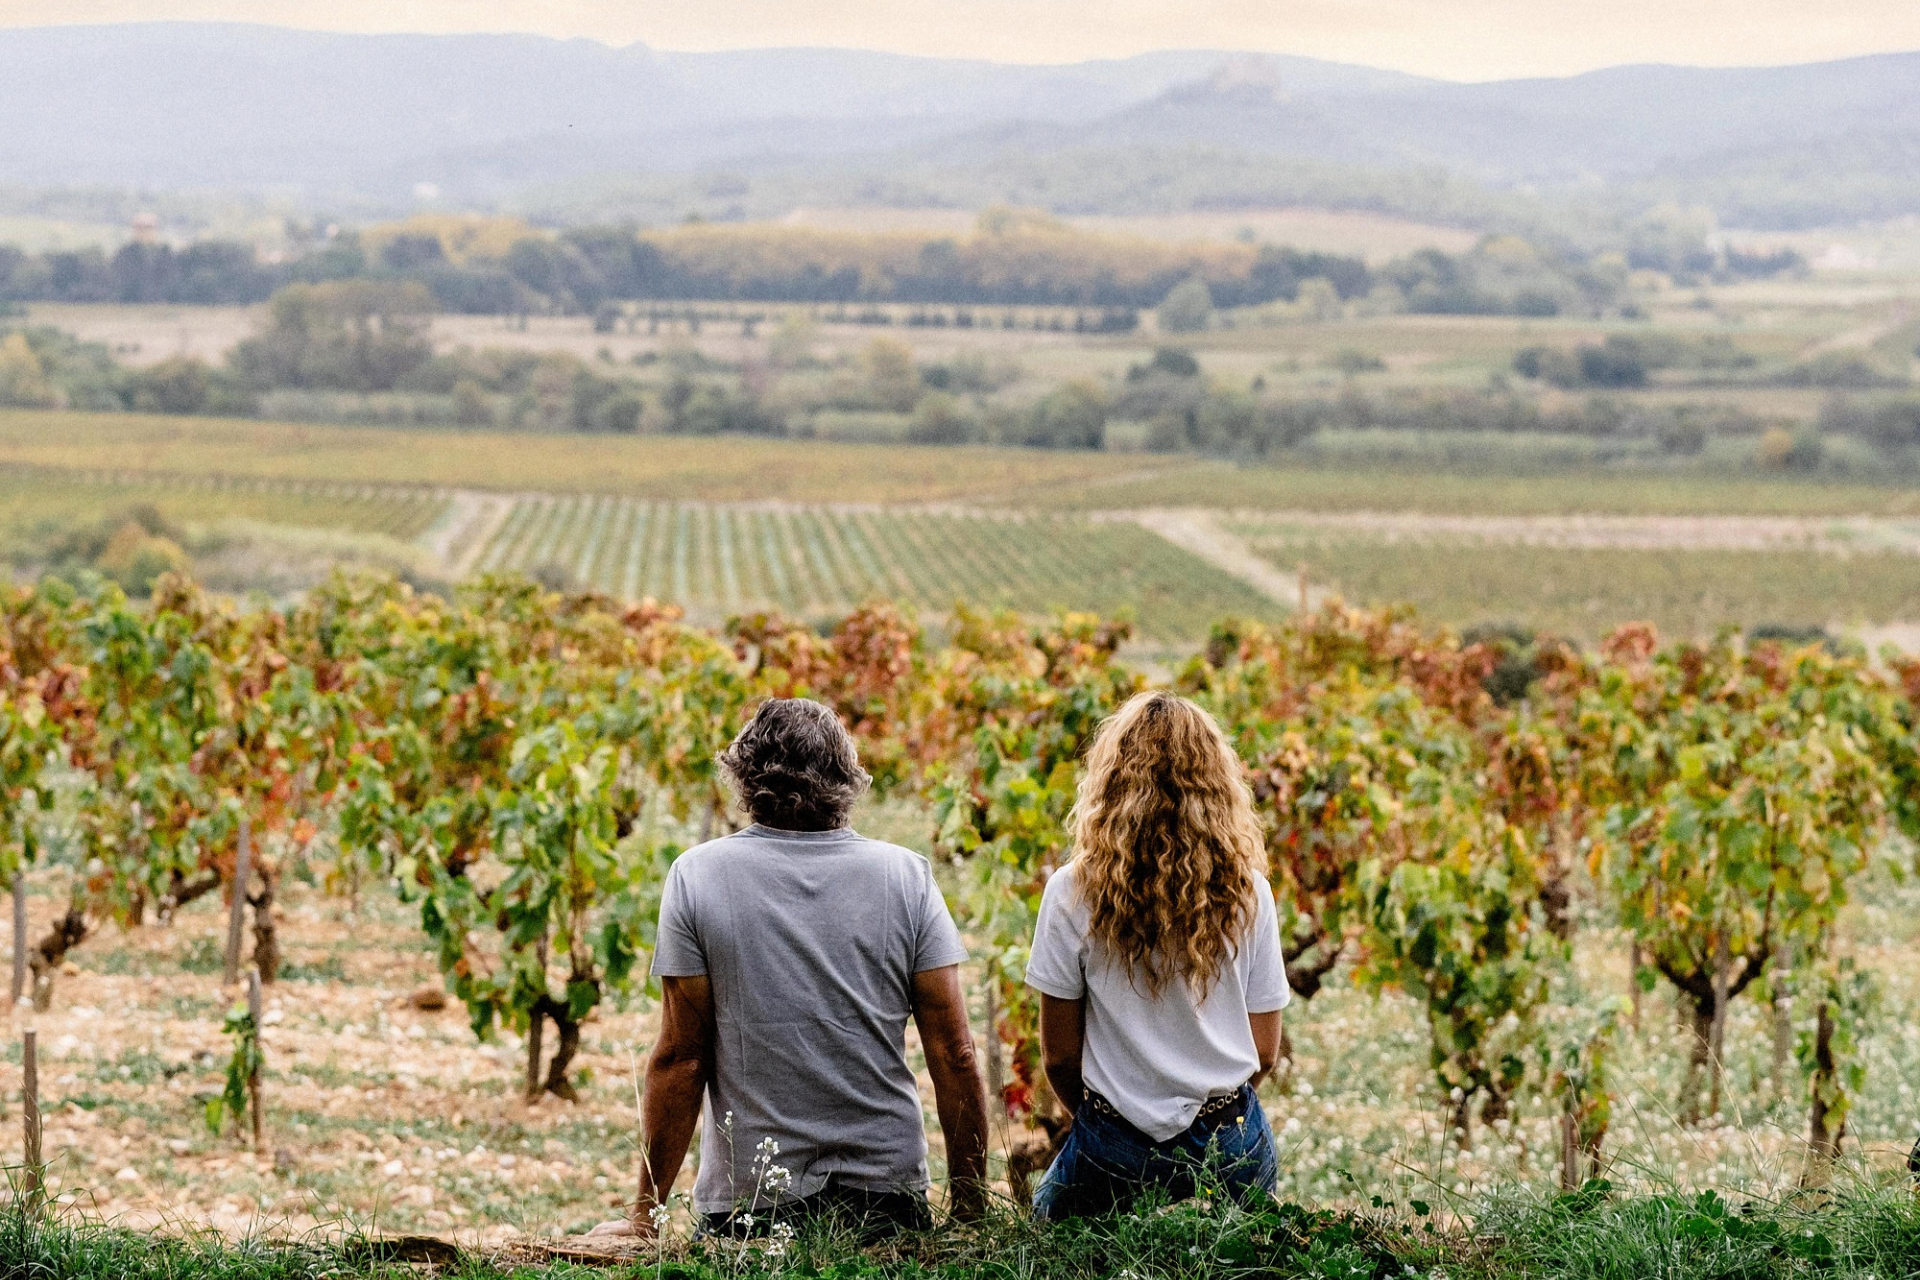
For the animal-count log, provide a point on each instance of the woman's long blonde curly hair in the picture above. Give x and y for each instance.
(1168, 853)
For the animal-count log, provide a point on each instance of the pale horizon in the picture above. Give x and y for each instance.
(1475, 40)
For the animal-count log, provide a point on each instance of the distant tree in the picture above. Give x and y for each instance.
(1891, 426)
(472, 406)
(1225, 421)
(1351, 362)
(1187, 308)
(1550, 365)
(179, 384)
(1615, 363)
(1279, 272)
(349, 335)
(940, 418)
(1175, 362)
(893, 381)
(558, 271)
(412, 251)
(23, 378)
(1072, 417)
(791, 344)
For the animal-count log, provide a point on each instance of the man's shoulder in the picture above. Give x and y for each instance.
(705, 854)
(895, 852)
(746, 841)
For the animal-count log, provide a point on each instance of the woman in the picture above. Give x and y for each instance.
(1157, 959)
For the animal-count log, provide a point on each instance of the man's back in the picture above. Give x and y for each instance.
(809, 941)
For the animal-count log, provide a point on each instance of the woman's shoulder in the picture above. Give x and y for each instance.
(1062, 892)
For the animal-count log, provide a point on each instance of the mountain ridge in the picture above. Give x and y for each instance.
(384, 121)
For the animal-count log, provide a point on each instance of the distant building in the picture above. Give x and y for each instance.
(146, 228)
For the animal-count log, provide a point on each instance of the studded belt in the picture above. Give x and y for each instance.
(1214, 1111)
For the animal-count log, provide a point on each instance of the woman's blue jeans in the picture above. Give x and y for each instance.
(1106, 1163)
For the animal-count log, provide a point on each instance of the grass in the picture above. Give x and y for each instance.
(812, 561)
(1584, 592)
(659, 467)
(1866, 1233)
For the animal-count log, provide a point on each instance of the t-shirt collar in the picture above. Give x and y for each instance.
(766, 832)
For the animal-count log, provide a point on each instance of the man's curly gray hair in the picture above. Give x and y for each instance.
(795, 766)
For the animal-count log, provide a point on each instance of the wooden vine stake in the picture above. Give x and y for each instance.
(35, 1174)
(996, 1067)
(253, 1074)
(236, 914)
(19, 987)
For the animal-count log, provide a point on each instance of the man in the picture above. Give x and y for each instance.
(790, 956)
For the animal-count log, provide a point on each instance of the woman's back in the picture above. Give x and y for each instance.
(1157, 1057)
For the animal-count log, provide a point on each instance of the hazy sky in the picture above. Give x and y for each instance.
(1459, 39)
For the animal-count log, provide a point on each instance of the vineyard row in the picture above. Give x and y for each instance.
(811, 561)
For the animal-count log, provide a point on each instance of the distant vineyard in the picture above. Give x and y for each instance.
(814, 560)
(32, 499)
(1583, 592)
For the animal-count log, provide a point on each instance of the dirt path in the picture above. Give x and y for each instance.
(1864, 336)
(459, 538)
(1203, 534)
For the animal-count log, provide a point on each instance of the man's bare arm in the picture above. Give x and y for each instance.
(1063, 1038)
(940, 1012)
(677, 1077)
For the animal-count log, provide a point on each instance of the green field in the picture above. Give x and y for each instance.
(1584, 592)
(35, 503)
(813, 561)
(1224, 485)
(813, 527)
(746, 469)
(671, 468)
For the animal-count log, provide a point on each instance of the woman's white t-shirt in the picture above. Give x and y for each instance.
(1157, 1059)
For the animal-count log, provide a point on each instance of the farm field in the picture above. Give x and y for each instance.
(727, 469)
(1224, 486)
(814, 528)
(744, 469)
(34, 501)
(811, 562)
(1584, 592)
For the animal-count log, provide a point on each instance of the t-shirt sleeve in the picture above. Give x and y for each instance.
(937, 943)
(677, 952)
(1266, 969)
(1057, 964)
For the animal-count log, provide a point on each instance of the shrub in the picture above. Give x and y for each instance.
(1072, 417)
(1187, 308)
(940, 418)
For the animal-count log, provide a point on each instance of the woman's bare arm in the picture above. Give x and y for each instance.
(1063, 1038)
(1266, 1042)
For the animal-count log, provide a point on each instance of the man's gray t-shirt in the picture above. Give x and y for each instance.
(810, 940)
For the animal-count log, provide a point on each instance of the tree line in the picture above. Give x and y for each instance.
(1011, 259)
(1020, 262)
